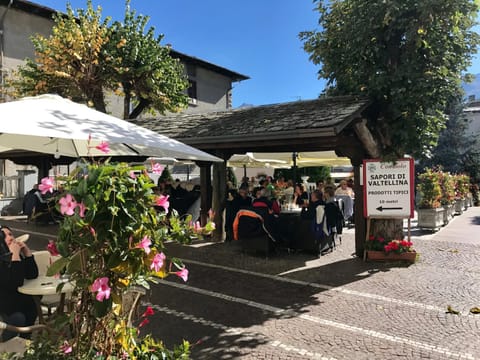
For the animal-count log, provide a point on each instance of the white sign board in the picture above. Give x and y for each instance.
(388, 188)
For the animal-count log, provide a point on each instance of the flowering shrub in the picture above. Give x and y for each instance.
(110, 239)
(398, 246)
(429, 188)
(447, 184)
(393, 246)
(462, 186)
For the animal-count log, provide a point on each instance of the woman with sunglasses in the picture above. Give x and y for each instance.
(17, 264)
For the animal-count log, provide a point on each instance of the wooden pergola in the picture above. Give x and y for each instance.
(336, 123)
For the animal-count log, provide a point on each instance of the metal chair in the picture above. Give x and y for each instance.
(17, 344)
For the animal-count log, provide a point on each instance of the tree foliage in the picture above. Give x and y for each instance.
(457, 151)
(86, 57)
(407, 56)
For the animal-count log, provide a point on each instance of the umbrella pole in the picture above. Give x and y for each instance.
(244, 170)
(294, 168)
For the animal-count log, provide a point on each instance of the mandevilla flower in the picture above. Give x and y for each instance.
(145, 244)
(100, 286)
(66, 348)
(148, 312)
(157, 168)
(103, 147)
(52, 248)
(67, 205)
(46, 185)
(81, 209)
(182, 274)
(162, 201)
(132, 174)
(157, 262)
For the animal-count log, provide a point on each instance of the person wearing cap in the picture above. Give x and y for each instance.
(16, 266)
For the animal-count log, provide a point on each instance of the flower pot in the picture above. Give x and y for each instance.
(459, 206)
(375, 255)
(447, 214)
(431, 219)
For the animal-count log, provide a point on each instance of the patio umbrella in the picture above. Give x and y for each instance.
(248, 160)
(309, 158)
(50, 124)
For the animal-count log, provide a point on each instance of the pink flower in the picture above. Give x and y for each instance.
(92, 231)
(103, 147)
(148, 312)
(132, 174)
(144, 322)
(81, 209)
(46, 185)
(66, 348)
(162, 201)
(157, 168)
(52, 248)
(183, 274)
(145, 244)
(157, 262)
(100, 286)
(196, 226)
(211, 214)
(67, 205)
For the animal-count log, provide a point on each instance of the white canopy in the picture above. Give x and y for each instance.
(51, 124)
(309, 158)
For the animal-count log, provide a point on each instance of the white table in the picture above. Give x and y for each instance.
(291, 211)
(46, 285)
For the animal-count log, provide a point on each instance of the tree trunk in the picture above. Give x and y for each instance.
(389, 229)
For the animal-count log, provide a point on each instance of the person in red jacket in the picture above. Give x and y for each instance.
(17, 264)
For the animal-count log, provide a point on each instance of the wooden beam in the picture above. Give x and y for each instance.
(366, 137)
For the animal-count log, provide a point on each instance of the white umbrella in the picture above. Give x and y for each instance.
(50, 124)
(309, 158)
(249, 160)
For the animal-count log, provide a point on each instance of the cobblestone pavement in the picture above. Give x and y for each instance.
(298, 306)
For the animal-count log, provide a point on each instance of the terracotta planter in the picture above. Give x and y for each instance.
(375, 255)
(431, 219)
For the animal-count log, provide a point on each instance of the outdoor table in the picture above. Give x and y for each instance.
(288, 225)
(45, 285)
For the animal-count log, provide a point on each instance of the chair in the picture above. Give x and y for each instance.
(250, 230)
(17, 344)
(44, 259)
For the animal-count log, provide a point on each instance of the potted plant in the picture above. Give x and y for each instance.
(462, 188)
(111, 239)
(430, 212)
(447, 200)
(377, 248)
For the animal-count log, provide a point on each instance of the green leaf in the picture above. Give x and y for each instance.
(58, 266)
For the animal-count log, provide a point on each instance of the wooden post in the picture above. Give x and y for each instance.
(218, 197)
(205, 190)
(360, 223)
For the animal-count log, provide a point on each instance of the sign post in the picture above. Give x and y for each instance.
(388, 188)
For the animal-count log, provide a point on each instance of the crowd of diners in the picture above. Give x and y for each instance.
(268, 196)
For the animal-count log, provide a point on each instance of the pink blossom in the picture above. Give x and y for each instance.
(81, 209)
(183, 274)
(196, 226)
(92, 231)
(103, 147)
(46, 185)
(211, 214)
(162, 201)
(52, 248)
(144, 322)
(145, 244)
(66, 348)
(148, 312)
(157, 262)
(157, 168)
(100, 286)
(132, 174)
(67, 205)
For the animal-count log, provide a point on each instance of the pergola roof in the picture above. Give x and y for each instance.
(320, 124)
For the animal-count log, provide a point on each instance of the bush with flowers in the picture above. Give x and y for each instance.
(429, 188)
(462, 186)
(111, 239)
(378, 243)
(447, 184)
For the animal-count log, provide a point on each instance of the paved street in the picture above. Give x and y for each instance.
(297, 306)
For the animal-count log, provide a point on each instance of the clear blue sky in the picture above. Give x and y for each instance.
(257, 38)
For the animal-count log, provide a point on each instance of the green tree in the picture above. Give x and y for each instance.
(457, 151)
(407, 56)
(87, 57)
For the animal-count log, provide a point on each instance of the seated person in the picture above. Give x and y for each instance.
(343, 189)
(300, 196)
(16, 308)
(242, 200)
(310, 211)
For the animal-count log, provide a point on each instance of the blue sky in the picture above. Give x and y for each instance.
(257, 38)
